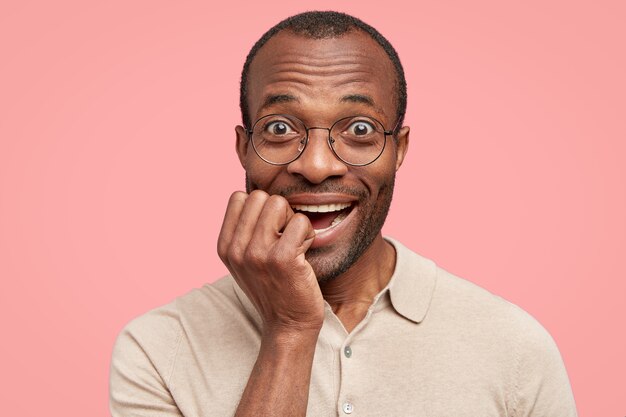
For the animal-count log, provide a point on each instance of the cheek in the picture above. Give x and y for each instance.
(260, 175)
(380, 178)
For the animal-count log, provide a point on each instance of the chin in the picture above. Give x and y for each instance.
(328, 269)
(328, 264)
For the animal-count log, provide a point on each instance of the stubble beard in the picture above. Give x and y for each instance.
(371, 217)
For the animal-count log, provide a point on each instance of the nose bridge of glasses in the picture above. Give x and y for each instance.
(324, 136)
(308, 129)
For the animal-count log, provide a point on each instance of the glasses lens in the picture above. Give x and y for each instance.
(358, 140)
(278, 139)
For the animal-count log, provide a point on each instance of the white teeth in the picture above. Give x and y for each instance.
(321, 208)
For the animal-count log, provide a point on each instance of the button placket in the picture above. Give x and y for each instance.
(347, 364)
(347, 406)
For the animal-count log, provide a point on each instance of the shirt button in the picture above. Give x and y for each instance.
(348, 408)
(347, 351)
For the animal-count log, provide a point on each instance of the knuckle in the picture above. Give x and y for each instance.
(255, 255)
(259, 195)
(237, 196)
(277, 204)
(235, 254)
(277, 201)
(222, 250)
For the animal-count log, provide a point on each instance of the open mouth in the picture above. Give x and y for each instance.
(324, 216)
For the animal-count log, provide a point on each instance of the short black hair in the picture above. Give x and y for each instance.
(324, 25)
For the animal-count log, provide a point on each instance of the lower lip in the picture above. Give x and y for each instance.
(329, 235)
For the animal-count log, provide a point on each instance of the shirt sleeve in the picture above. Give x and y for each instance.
(142, 362)
(541, 385)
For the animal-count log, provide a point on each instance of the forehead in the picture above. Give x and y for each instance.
(322, 75)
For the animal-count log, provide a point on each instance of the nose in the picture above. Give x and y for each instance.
(317, 162)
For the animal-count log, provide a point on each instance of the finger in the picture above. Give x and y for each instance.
(275, 215)
(248, 220)
(234, 208)
(298, 234)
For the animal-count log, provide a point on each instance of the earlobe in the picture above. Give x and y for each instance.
(402, 145)
(241, 145)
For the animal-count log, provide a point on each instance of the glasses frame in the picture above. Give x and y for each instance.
(329, 140)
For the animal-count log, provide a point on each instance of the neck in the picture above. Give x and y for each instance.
(352, 293)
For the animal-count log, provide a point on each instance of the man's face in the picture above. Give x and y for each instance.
(320, 81)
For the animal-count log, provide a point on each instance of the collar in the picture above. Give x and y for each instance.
(412, 283)
(410, 287)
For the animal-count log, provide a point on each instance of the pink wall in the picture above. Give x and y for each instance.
(117, 156)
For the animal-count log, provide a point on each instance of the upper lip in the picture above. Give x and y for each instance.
(319, 198)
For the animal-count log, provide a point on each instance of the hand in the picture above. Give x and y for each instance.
(263, 243)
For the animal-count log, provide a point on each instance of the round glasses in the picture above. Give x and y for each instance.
(280, 139)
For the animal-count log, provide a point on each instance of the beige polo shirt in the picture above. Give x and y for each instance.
(431, 345)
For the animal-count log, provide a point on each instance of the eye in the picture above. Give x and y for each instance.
(278, 128)
(360, 128)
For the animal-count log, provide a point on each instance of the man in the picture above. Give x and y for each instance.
(321, 315)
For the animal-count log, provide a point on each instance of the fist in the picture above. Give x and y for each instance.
(263, 244)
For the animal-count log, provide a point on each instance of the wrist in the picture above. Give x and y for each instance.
(290, 337)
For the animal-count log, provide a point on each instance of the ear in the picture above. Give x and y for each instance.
(241, 145)
(402, 145)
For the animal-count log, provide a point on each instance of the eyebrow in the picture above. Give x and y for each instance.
(278, 98)
(358, 98)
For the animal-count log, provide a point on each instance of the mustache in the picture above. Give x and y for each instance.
(325, 187)
(301, 186)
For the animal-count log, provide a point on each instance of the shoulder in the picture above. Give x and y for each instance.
(155, 335)
(464, 299)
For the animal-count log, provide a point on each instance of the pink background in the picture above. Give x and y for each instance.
(117, 157)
